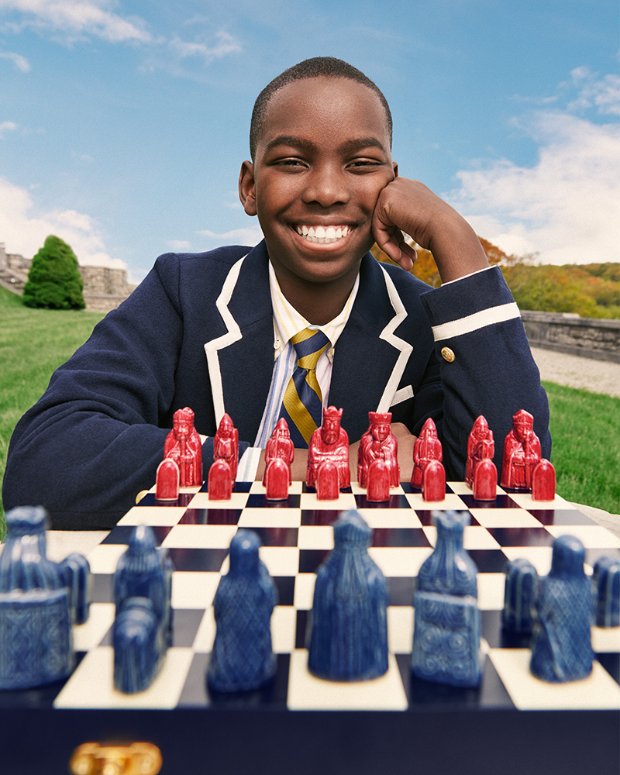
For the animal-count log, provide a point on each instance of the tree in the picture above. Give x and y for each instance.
(54, 279)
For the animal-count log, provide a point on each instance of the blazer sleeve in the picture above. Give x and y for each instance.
(93, 441)
(485, 365)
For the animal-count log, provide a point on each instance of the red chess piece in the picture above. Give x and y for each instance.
(521, 452)
(378, 478)
(167, 481)
(327, 486)
(426, 447)
(280, 445)
(543, 481)
(378, 443)
(329, 442)
(480, 445)
(183, 445)
(220, 481)
(226, 444)
(434, 481)
(277, 480)
(485, 480)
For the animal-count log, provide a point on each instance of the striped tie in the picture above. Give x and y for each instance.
(302, 404)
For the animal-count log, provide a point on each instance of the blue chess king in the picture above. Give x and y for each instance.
(242, 658)
(561, 644)
(348, 628)
(446, 642)
(39, 601)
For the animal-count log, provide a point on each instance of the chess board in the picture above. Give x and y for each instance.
(377, 726)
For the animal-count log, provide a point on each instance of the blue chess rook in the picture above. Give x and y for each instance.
(519, 597)
(142, 591)
(348, 628)
(606, 580)
(561, 645)
(37, 607)
(446, 642)
(242, 658)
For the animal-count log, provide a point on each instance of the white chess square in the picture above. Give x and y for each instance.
(474, 537)
(193, 589)
(155, 516)
(493, 517)
(200, 537)
(306, 692)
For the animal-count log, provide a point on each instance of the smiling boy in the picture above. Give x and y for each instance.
(214, 331)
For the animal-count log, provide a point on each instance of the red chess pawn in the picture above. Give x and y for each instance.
(327, 487)
(480, 445)
(378, 443)
(183, 445)
(329, 442)
(276, 480)
(280, 445)
(434, 481)
(426, 447)
(220, 481)
(226, 444)
(543, 481)
(378, 478)
(521, 452)
(485, 480)
(167, 481)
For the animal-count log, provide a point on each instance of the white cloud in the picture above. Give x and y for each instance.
(24, 227)
(179, 244)
(7, 126)
(78, 19)
(249, 235)
(566, 206)
(225, 44)
(20, 62)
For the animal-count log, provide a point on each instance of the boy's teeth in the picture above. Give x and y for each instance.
(323, 234)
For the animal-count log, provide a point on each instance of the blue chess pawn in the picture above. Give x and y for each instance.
(348, 631)
(446, 642)
(138, 645)
(561, 646)
(606, 580)
(35, 607)
(242, 658)
(519, 596)
(76, 573)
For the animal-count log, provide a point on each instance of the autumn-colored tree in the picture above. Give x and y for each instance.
(54, 280)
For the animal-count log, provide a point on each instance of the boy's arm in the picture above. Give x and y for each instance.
(485, 363)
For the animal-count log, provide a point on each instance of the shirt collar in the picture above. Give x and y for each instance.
(287, 321)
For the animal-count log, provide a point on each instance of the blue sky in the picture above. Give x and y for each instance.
(123, 124)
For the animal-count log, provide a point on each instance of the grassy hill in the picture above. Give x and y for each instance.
(34, 342)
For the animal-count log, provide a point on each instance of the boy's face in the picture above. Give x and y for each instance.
(321, 161)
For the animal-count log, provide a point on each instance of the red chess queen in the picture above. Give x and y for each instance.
(521, 452)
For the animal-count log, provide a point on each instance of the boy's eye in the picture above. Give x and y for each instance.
(290, 163)
(364, 164)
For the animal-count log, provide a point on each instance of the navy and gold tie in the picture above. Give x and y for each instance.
(302, 404)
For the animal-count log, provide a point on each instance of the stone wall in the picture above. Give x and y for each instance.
(566, 333)
(104, 288)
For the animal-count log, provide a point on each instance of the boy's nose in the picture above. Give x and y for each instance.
(327, 187)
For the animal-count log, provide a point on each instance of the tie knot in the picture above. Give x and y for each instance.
(309, 345)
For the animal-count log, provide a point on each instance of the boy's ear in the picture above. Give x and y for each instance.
(395, 168)
(246, 188)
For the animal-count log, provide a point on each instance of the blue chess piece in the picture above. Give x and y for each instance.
(139, 645)
(606, 581)
(348, 628)
(144, 572)
(519, 596)
(242, 658)
(561, 644)
(446, 642)
(35, 605)
(76, 574)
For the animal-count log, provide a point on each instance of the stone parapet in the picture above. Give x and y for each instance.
(567, 333)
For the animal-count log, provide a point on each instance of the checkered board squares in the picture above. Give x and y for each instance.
(296, 536)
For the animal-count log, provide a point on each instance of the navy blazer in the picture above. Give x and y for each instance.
(198, 332)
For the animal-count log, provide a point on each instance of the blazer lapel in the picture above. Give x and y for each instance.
(370, 358)
(241, 360)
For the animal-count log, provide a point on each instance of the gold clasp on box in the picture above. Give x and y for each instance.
(133, 759)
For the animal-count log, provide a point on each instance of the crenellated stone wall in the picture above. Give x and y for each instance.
(104, 287)
(567, 333)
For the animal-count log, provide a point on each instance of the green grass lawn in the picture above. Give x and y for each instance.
(34, 342)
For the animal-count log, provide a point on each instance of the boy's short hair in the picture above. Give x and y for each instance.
(317, 67)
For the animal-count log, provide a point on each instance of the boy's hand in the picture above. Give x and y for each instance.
(409, 206)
